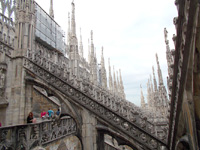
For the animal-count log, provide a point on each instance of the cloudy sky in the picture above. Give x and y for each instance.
(130, 31)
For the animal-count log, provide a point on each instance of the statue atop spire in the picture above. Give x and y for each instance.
(51, 12)
(91, 37)
(102, 58)
(165, 34)
(73, 23)
(92, 55)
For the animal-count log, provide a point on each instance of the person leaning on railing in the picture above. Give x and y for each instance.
(30, 118)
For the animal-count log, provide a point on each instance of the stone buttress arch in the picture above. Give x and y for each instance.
(56, 93)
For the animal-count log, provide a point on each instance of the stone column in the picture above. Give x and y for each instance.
(100, 141)
(89, 132)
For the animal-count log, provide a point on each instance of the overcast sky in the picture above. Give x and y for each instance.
(130, 31)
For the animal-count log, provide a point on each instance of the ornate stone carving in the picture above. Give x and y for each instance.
(3, 69)
(2, 78)
(32, 135)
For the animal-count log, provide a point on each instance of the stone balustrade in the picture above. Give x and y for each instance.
(36, 134)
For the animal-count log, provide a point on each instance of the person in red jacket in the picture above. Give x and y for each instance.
(43, 114)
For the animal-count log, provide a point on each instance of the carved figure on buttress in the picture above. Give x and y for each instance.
(2, 78)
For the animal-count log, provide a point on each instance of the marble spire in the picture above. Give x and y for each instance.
(103, 71)
(114, 81)
(93, 62)
(154, 80)
(73, 23)
(118, 84)
(160, 78)
(73, 45)
(148, 93)
(89, 51)
(51, 12)
(92, 46)
(110, 77)
(168, 51)
(69, 30)
(121, 85)
(142, 98)
(81, 45)
(170, 62)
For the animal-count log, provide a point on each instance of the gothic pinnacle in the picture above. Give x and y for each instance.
(89, 51)
(114, 80)
(68, 35)
(91, 37)
(92, 55)
(142, 98)
(160, 79)
(165, 34)
(154, 80)
(103, 71)
(51, 12)
(110, 77)
(81, 45)
(121, 81)
(118, 83)
(73, 23)
(102, 58)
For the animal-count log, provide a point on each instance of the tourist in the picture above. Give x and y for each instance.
(50, 113)
(58, 112)
(43, 114)
(30, 118)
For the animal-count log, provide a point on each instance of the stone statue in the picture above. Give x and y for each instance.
(2, 78)
(165, 34)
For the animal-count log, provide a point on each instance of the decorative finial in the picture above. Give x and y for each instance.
(91, 36)
(153, 69)
(51, 12)
(157, 58)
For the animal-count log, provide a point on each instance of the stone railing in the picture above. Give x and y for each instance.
(120, 113)
(31, 135)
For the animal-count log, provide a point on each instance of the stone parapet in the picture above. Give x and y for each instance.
(29, 136)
